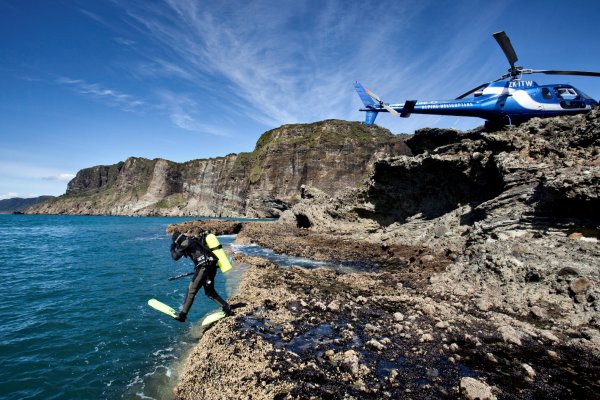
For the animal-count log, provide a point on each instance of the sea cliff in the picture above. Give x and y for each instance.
(475, 276)
(330, 155)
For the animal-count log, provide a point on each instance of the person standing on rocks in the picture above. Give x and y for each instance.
(205, 270)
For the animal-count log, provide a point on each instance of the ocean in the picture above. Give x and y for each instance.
(74, 319)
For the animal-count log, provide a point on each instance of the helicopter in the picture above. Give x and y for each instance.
(506, 100)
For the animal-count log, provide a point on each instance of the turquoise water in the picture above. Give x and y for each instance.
(73, 312)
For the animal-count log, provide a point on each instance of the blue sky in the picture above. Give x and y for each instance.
(85, 83)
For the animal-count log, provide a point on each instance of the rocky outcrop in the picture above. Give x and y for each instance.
(513, 208)
(216, 227)
(474, 274)
(330, 155)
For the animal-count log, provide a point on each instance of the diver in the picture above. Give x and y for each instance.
(205, 270)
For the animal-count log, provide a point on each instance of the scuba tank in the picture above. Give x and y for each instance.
(214, 246)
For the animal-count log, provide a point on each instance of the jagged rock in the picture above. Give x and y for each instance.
(376, 344)
(371, 328)
(333, 306)
(398, 316)
(350, 362)
(529, 372)
(472, 389)
(510, 335)
(442, 325)
(217, 227)
(426, 337)
(538, 312)
(580, 285)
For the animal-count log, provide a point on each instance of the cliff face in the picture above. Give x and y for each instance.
(330, 155)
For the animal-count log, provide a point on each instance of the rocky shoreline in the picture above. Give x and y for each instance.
(474, 274)
(373, 333)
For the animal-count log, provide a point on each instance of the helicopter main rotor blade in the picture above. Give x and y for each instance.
(507, 47)
(381, 103)
(559, 72)
(471, 91)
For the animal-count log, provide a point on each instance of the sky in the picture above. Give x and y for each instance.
(85, 83)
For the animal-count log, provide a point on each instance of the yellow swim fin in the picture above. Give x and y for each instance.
(212, 318)
(162, 307)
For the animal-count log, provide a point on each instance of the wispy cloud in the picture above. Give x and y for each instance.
(181, 108)
(269, 78)
(32, 171)
(59, 177)
(183, 113)
(113, 97)
(290, 64)
(296, 63)
(124, 41)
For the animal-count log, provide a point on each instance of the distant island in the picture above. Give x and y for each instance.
(17, 204)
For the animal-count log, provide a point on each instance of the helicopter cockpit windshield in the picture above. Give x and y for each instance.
(583, 95)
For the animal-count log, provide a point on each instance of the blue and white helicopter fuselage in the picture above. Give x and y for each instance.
(500, 102)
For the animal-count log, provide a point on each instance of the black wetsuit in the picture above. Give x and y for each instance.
(205, 264)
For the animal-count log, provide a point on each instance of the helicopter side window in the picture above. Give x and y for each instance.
(573, 94)
(566, 93)
(558, 92)
(546, 94)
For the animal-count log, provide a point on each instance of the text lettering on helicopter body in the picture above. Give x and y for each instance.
(436, 105)
(520, 84)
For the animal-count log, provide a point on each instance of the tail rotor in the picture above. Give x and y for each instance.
(381, 103)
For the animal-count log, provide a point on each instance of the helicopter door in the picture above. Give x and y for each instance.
(546, 98)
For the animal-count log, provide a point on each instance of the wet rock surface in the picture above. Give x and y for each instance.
(316, 333)
(486, 288)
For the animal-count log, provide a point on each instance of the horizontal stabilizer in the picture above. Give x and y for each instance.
(409, 106)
